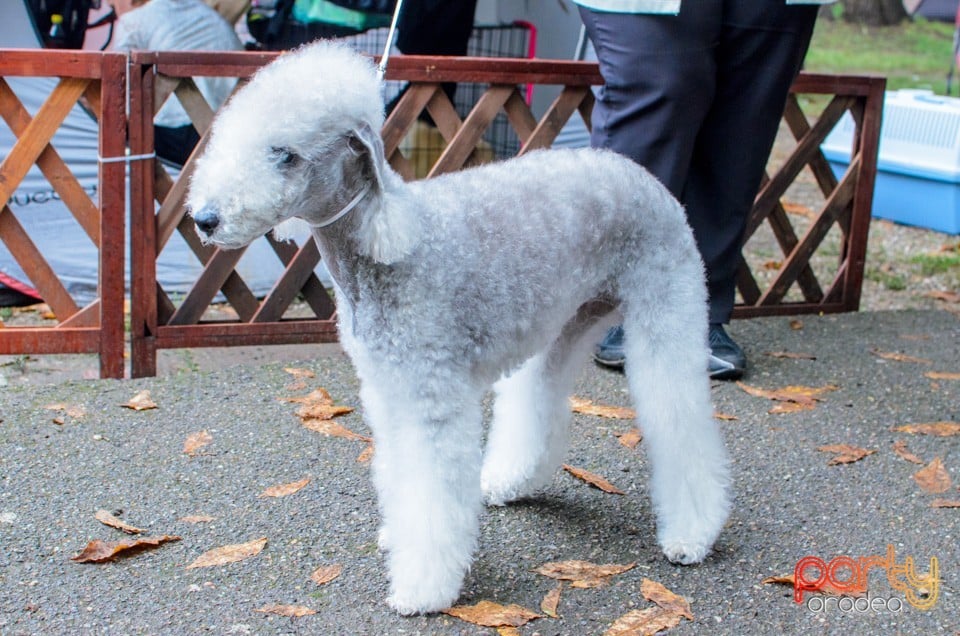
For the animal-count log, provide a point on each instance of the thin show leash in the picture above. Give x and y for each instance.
(381, 73)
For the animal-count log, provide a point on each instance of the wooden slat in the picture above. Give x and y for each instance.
(461, 146)
(53, 167)
(298, 270)
(37, 134)
(31, 261)
(247, 334)
(556, 116)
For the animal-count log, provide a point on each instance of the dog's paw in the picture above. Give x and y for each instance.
(410, 605)
(684, 552)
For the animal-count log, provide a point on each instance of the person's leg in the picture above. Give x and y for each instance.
(659, 79)
(760, 51)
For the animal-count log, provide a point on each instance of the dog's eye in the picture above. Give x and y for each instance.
(284, 156)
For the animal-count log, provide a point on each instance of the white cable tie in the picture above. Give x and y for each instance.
(127, 158)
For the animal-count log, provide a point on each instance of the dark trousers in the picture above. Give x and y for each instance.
(697, 98)
(175, 144)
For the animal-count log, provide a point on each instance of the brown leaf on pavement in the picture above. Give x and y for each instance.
(945, 296)
(630, 438)
(75, 412)
(141, 402)
(229, 554)
(900, 448)
(938, 429)
(793, 398)
(899, 357)
(108, 519)
(290, 611)
(791, 355)
(945, 503)
(508, 630)
(725, 417)
(796, 324)
(657, 593)
(845, 453)
(196, 441)
(933, 478)
(827, 588)
(283, 490)
(326, 573)
(582, 574)
(98, 551)
(942, 375)
(332, 429)
(317, 405)
(645, 622)
(490, 614)
(587, 407)
(197, 519)
(593, 479)
(551, 601)
(300, 373)
(366, 454)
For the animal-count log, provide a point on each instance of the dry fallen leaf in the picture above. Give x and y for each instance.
(317, 405)
(196, 441)
(229, 554)
(582, 574)
(291, 611)
(725, 417)
(141, 402)
(551, 601)
(490, 614)
(933, 478)
(790, 355)
(796, 324)
(827, 588)
(845, 453)
(326, 573)
(945, 296)
(76, 412)
(593, 479)
(645, 622)
(798, 208)
(630, 438)
(508, 630)
(900, 448)
(942, 375)
(587, 407)
(793, 398)
(366, 454)
(108, 519)
(332, 429)
(285, 489)
(98, 551)
(899, 357)
(945, 503)
(939, 429)
(300, 373)
(657, 593)
(197, 519)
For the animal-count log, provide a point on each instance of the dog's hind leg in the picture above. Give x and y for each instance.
(426, 469)
(665, 328)
(531, 415)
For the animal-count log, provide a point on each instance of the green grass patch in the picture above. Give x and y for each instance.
(914, 54)
(890, 281)
(933, 264)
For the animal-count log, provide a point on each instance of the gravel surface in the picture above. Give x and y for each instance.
(790, 503)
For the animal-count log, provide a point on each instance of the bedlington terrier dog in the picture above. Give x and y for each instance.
(502, 275)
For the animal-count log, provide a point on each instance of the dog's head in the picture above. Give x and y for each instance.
(300, 140)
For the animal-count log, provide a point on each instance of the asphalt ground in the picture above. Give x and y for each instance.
(55, 475)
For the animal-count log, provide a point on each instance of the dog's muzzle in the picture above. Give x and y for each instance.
(206, 220)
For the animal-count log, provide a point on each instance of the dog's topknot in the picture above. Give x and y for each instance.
(327, 82)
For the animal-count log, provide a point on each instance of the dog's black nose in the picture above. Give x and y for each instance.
(207, 220)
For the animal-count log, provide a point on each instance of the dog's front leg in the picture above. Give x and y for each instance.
(427, 474)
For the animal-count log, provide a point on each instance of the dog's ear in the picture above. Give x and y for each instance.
(390, 228)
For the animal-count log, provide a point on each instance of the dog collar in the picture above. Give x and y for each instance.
(346, 209)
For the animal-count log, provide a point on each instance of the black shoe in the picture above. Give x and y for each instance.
(609, 352)
(727, 360)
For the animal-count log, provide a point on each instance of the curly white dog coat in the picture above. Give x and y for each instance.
(508, 272)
